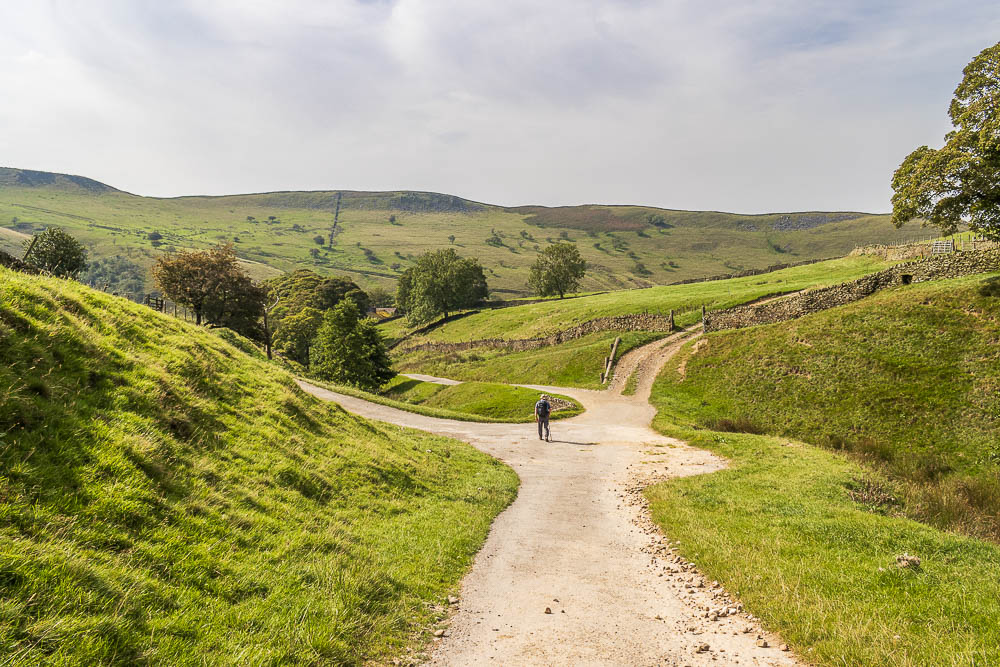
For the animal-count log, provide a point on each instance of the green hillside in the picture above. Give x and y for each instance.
(625, 246)
(905, 379)
(169, 498)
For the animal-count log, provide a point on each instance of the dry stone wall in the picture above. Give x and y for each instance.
(936, 268)
(639, 322)
(11, 262)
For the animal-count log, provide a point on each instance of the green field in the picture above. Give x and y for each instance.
(499, 402)
(169, 497)
(622, 249)
(577, 363)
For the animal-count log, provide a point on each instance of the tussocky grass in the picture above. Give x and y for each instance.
(168, 499)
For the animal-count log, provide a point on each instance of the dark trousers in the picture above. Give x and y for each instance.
(543, 421)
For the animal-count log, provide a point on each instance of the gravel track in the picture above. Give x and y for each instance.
(574, 572)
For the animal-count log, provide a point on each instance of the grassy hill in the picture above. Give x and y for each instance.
(625, 246)
(899, 392)
(579, 362)
(168, 497)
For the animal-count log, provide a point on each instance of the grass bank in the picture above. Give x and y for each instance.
(168, 499)
(906, 380)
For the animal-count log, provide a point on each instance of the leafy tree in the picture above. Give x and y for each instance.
(381, 297)
(439, 283)
(960, 182)
(350, 350)
(214, 286)
(57, 252)
(319, 240)
(116, 274)
(304, 288)
(294, 337)
(557, 270)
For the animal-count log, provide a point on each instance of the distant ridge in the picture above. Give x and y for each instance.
(28, 178)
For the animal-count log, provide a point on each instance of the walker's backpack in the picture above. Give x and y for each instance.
(543, 408)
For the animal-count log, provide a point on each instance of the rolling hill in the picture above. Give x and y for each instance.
(380, 233)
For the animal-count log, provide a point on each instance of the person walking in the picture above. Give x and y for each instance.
(542, 410)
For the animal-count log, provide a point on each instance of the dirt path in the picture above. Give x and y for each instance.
(578, 542)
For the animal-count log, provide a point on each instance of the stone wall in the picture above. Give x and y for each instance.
(640, 322)
(896, 253)
(935, 268)
(11, 262)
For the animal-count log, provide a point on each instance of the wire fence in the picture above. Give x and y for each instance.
(154, 300)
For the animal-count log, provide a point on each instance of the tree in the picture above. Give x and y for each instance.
(295, 336)
(57, 252)
(439, 283)
(960, 182)
(319, 240)
(212, 284)
(380, 297)
(557, 270)
(451, 238)
(350, 350)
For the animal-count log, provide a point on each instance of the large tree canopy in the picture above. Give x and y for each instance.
(307, 289)
(213, 285)
(960, 182)
(557, 270)
(441, 282)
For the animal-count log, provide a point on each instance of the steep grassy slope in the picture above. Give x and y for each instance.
(167, 498)
(906, 379)
(622, 247)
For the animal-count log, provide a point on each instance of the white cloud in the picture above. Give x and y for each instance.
(773, 105)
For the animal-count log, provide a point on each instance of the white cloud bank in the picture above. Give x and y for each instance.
(750, 107)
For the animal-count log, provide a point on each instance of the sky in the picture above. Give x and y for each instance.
(751, 107)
